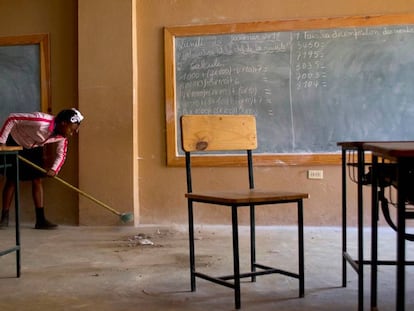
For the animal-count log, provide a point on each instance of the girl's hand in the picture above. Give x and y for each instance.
(51, 173)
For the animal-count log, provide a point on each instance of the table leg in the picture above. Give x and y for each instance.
(344, 220)
(301, 250)
(374, 233)
(361, 168)
(17, 216)
(401, 194)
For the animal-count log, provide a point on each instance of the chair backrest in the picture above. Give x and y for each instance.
(218, 133)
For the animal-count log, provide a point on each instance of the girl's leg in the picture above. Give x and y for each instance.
(8, 195)
(37, 194)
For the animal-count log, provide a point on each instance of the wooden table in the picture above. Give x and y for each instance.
(402, 154)
(4, 151)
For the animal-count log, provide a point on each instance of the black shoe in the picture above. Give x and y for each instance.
(45, 225)
(4, 222)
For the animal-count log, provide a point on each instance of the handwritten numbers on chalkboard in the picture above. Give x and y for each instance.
(310, 83)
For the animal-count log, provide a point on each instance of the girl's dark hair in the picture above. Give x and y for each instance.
(69, 115)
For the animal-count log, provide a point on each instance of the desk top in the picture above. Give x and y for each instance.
(351, 144)
(396, 149)
(10, 148)
(361, 143)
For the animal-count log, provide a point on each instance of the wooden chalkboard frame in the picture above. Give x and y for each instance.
(44, 50)
(171, 33)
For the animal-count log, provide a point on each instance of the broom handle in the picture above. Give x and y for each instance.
(72, 187)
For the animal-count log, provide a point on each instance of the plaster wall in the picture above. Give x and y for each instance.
(105, 97)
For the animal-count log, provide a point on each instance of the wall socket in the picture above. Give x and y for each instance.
(315, 174)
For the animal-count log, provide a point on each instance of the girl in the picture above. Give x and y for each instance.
(32, 131)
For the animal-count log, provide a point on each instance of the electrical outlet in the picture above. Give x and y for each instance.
(315, 174)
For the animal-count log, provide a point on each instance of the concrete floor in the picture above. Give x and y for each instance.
(110, 268)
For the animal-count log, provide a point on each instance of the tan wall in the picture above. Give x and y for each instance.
(57, 18)
(105, 97)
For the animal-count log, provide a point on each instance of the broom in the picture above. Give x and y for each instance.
(125, 217)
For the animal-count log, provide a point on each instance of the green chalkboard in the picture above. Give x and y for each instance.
(309, 88)
(23, 75)
(19, 79)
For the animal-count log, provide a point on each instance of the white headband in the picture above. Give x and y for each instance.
(77, 118)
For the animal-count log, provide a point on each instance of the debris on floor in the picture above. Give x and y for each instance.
(139, 239)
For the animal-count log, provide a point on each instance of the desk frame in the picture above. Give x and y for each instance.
(402, 153)
(357, 265)
(4, 151)
(404, 160)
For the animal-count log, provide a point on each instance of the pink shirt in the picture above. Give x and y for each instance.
(32, 130)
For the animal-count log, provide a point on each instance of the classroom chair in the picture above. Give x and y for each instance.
(217, 133)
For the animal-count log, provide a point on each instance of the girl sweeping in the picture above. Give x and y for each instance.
(32, 131)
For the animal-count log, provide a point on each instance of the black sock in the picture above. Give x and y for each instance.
(4, 214)
(40, 214)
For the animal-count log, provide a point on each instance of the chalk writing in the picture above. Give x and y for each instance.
(308, 89)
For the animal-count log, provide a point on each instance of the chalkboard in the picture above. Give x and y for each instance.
(24, 74)
(335, 80)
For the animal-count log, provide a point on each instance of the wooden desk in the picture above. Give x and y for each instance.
(4, 151)
(402, 153)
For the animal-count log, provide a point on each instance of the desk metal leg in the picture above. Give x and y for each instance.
(401, 181)
(236, 261)
(359, 265)
(17, 247)
(301, 250)
(344, 220)
(361, 167)
(374, 233)
(17, 216)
